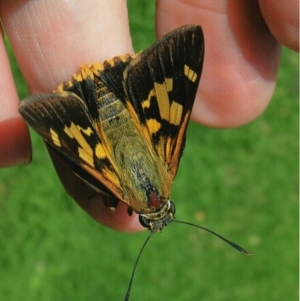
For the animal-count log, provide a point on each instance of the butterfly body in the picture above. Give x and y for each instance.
(120, 125)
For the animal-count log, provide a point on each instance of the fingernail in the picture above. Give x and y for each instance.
(15, 145)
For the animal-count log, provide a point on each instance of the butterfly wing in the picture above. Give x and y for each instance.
(161, 85)
(65, 123)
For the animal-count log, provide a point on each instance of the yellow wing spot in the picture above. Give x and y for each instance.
(162, 100)
(99, 151)
(161, 150)
(97, 68)
(85, 151)
(111, 177)
(68, 132)
(190, 74)
(194, 77)
(87, 73)
(146, 103)
(111, 62)
(87, 131)
(153, 125)
(169, 84)
(61, 88)
(125, 57)
(175, 113)
(55, 138)
(168, 144)
(77, 77)
(160, 91)
(86, 157)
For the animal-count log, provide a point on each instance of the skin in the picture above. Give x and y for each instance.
(243, 41)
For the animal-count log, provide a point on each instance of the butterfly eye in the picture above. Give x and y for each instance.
(144, 221)
(172, 208)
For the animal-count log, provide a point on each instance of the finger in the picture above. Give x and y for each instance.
(241, 58)
(282, 18)
(54, 38)
(14, 136)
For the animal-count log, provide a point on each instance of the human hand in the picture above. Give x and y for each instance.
(51, 39)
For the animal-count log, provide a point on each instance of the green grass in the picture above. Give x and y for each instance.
(242, 183)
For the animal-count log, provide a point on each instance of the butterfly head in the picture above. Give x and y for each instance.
(156, 221)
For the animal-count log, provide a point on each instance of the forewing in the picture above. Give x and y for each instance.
(64, 122)
(160, 85)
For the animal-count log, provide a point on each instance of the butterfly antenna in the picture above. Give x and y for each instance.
(240, 249)
(134, 267)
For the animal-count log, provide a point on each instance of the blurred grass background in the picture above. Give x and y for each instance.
(242, 183)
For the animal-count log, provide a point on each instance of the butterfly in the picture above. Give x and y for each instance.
(121, 125)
